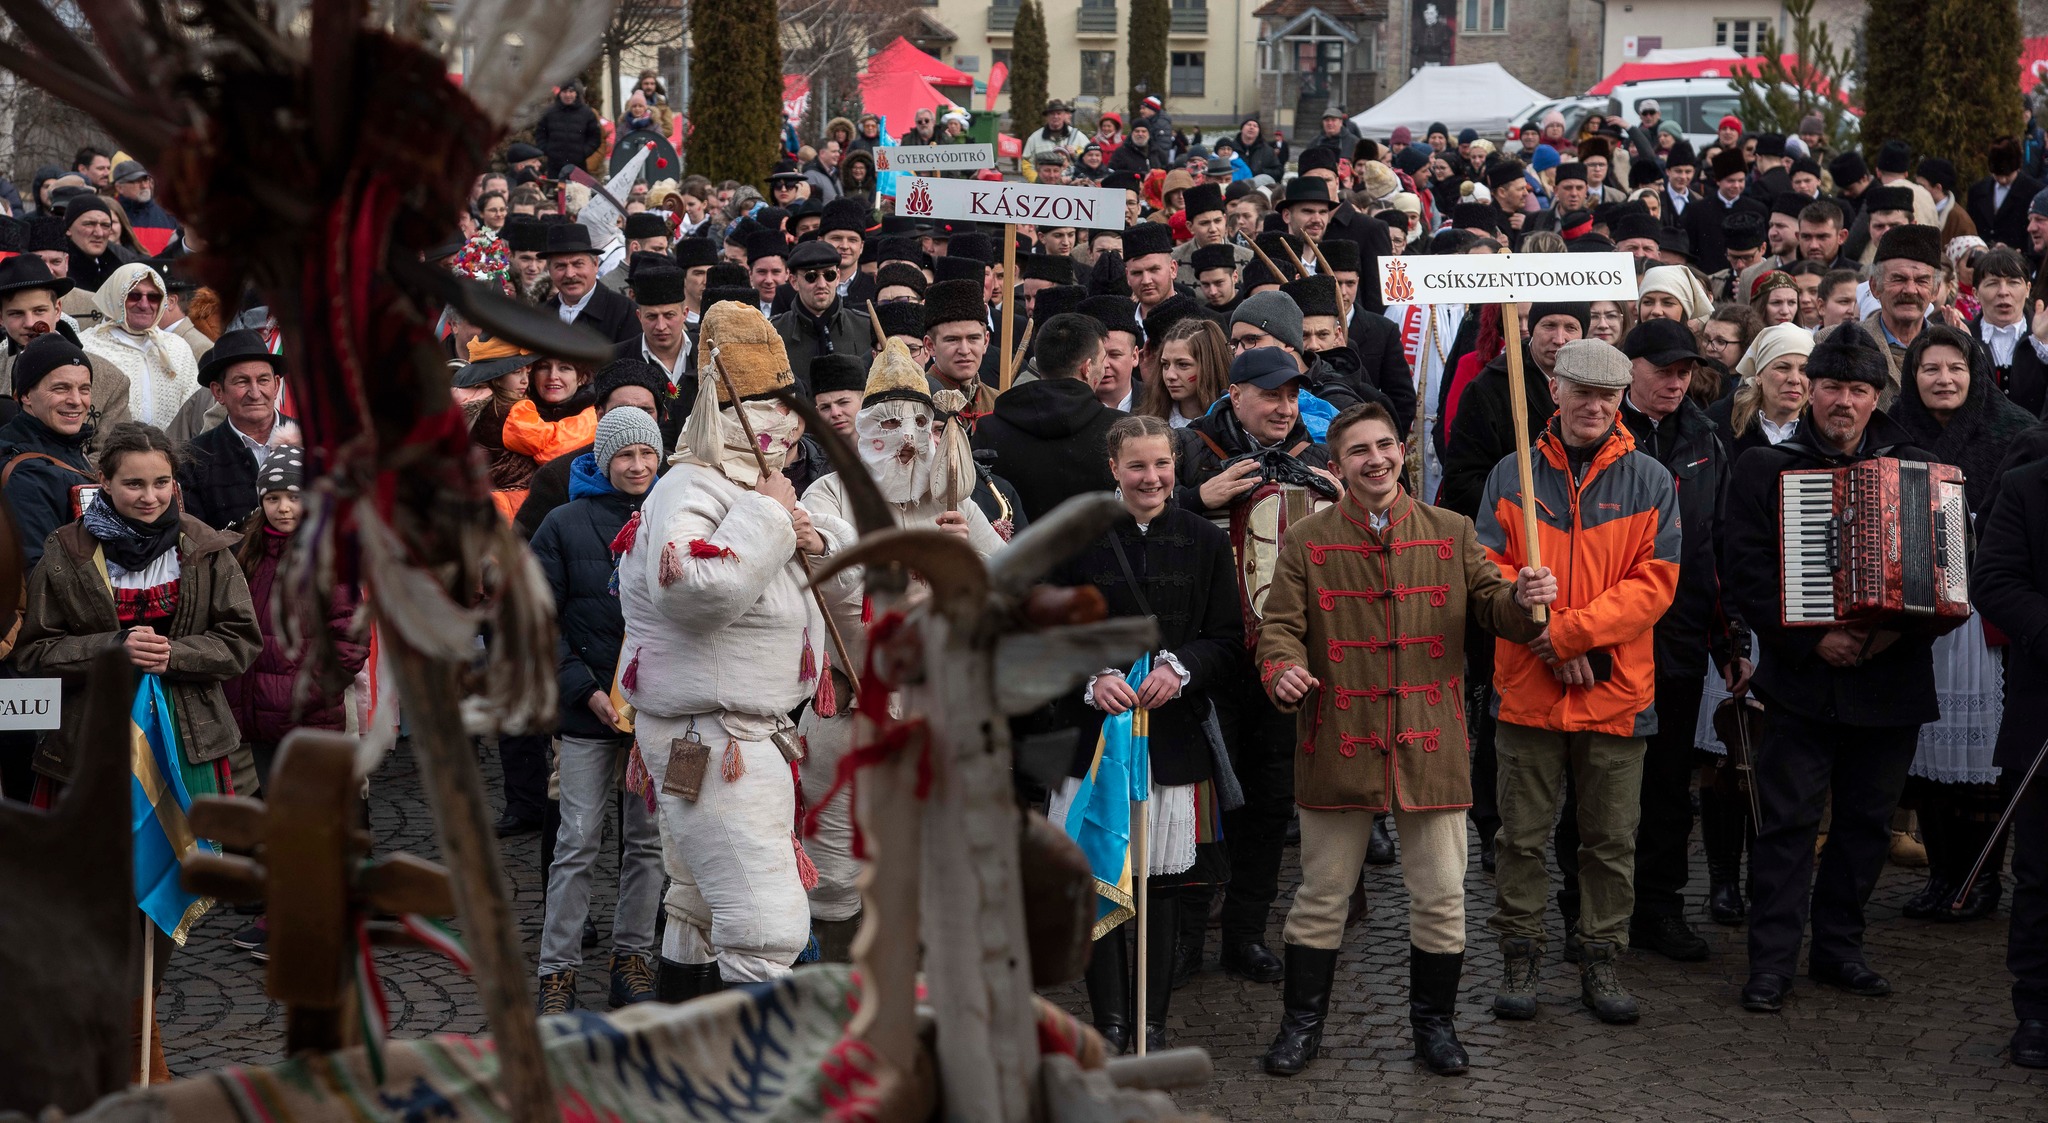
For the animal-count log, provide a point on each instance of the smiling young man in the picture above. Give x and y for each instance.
(30, 303)
(1371, 676)
(1580, 695)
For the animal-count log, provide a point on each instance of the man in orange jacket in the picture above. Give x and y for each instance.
(1581, 693)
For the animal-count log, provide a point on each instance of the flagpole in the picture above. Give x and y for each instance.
(148, 986)
(1143, 863)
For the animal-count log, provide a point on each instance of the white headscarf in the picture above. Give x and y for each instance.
(1771, 344)
(1679, 281)
(161, 371)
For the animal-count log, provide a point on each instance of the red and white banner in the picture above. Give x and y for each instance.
(973, 200)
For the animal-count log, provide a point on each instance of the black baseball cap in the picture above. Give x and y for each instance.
(1268, 368)
(1661, 342)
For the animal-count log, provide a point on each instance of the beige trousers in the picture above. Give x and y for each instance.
(1433, 859)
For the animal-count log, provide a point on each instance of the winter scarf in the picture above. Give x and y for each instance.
(129, 543)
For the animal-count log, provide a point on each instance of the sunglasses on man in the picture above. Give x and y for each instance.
(813, 276)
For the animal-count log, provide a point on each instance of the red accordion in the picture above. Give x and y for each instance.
(1881, 538)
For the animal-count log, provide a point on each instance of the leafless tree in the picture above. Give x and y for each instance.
(639, 26)
(827, 41)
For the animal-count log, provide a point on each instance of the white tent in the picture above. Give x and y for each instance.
(1481, 96)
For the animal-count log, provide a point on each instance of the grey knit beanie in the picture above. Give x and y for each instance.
(1274, 313)
(620, 429)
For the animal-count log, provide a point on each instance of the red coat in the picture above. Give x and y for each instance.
(262, 698)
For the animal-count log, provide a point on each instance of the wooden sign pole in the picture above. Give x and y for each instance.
(1518, 404)
(1009, 327)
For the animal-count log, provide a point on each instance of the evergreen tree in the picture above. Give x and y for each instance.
(1030, 60)
(1151, 22)
(1777, 97)
(1970, 50)
(735, 92)
(1898, 81)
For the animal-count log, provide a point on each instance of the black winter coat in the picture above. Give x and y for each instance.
(219, 480)
(609, 314)
(2025, 379)
(840, 331)
(567, 134)
(1051, 440)
(1484, 430)
(546, 489)
(574, 548)
(1385, 366)
(1690, 448)
(1374, 241)
(2009, 584)
(1188, 574)
(2006, 225)
(39, 491)
(1896, 686)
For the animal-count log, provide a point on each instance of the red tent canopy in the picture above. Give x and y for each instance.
(903, 57)
(897, 96)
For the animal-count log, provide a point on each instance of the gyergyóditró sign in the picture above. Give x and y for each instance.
(1042, 205)
(914, 158)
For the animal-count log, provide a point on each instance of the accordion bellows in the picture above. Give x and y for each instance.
(748, 349)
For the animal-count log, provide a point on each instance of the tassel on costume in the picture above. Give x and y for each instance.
(807, 666)
(867, 611)
(628, 534)
(806, 870)
(699, 548)
(732, 766)
(631, 679)
(825, 701)
(671, 566)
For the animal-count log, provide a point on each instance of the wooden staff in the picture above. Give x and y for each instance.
(1300, 270)
(2004, 818)
(1268, 261)
(1518, 404)
(803, 559)
(875, 321)
(1143, 863)
(1024, 344)
(1322, 262)
(148, 995)
(1009, 328)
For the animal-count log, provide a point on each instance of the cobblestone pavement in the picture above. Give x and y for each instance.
(1932, 1053)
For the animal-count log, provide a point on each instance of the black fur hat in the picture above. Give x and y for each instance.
(1848, 354)
(948, 301)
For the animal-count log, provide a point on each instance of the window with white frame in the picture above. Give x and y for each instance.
(1746, 36)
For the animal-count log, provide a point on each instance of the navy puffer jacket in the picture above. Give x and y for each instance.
(574, 548)
(261, 698)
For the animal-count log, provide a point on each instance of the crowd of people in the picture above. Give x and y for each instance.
(1358, 654)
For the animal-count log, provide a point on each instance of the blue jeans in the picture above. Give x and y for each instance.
(591, 771)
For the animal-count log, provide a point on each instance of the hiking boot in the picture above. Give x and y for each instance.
(1432, 1009)
(1522, 960)
(1600, 987)
(1305, 998)
(1669, 936)
(632, 980)
(1907, 852)
(558, 992)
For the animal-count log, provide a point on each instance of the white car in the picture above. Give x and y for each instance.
(1696, 105)
(1575, 110)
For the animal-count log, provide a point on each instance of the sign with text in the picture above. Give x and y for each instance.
(30, 703)
(1500, 278)
(935, 158)
(1044, 205)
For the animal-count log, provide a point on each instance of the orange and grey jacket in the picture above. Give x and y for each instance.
(1612, 539)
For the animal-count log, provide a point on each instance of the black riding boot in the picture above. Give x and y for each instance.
(1971, 834)
(1724, 814)
(1194, 932)
(1162, 932)
(1109, 990)
(1432, 1009)
(680, 982)
(1306, 995)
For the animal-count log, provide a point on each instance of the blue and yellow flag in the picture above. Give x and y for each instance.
(1100, 818)
(157, 802)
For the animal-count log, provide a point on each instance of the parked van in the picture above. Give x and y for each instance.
(1695, 105)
